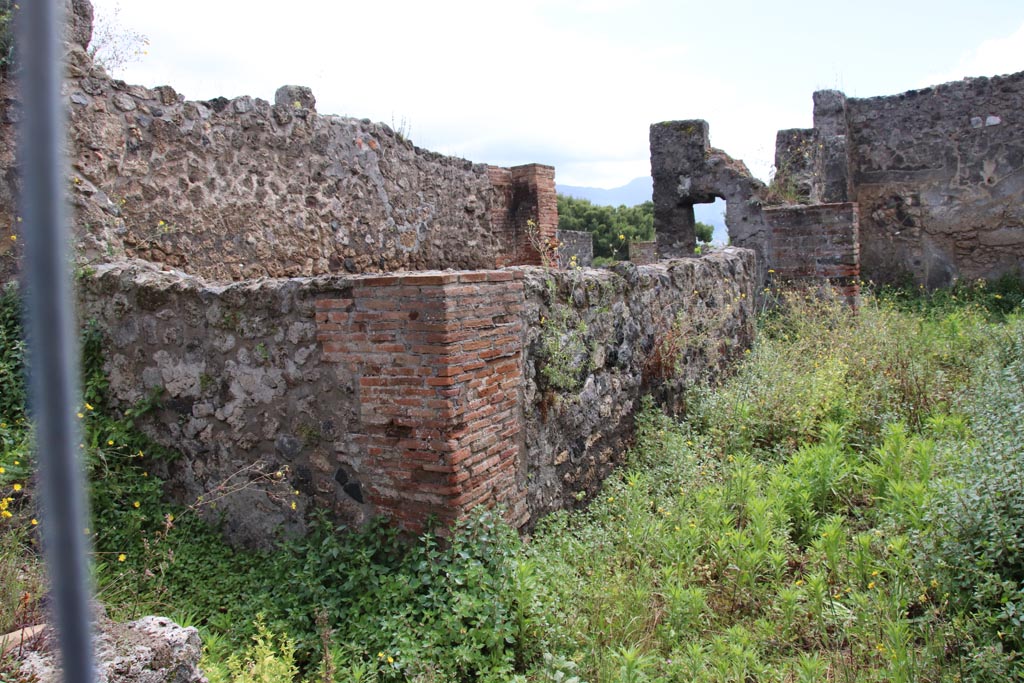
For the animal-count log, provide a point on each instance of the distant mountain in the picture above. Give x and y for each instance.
(638, 191)
(634, 192)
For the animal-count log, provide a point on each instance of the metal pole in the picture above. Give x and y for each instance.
(53, 357)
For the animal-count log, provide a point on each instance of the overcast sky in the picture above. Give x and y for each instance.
(572, 83)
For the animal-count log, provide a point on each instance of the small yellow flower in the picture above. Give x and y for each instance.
(293, 505)
(391, 660)
(2, 470)
(34, 521)
(871, 585)
(622, 237)
(14, 238)
(380, 655)
(798, 582)
(145, 474)
(122, 557)
(874, 573)
(880, 647)
(6, 514)
(110, 442)
(17, 487)
(88, 407)
(80, 416)
(136, 504)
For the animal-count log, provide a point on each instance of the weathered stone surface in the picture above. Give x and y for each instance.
(652, 329)
(408, 394)
(245, 390)
(242, 188)
(687, 171)
(148, 650)
(939, 176)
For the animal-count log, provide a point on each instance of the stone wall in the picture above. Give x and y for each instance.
(232, 189)
(687, 170)
(939, 177)
(598, 341)
(935, 178)
(575, 248)
(411, 394)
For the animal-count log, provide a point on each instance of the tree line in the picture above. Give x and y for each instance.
(614, 227)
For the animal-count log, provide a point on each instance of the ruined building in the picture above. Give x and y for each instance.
(926, 186)
(316, 296)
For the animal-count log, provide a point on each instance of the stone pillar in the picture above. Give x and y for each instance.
(832, 180)
(678, 150)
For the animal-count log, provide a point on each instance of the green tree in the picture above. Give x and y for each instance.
(704, 232)
(613, 227)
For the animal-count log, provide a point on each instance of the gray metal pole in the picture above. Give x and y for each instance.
(53, 357)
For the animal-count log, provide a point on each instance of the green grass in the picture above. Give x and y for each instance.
(846, 506)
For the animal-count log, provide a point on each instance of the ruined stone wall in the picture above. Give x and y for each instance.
(245, 385)
(575, 248)
(409, 394)
(939, 177)
(597, 341)
(232, 189)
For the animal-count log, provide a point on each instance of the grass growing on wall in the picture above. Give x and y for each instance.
(847, 506)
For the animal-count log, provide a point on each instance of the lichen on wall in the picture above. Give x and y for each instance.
(599, 340)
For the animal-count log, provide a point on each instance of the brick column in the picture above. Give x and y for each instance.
(438, 362)
(523, 194)
(819, 242)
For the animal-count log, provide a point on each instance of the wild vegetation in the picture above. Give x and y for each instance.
(614, 227)
(847, 506)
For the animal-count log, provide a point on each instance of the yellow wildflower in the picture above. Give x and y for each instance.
(122, 557)
(136, 504)
(17, 487)
(34, 521)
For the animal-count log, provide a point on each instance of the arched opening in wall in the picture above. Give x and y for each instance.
(711, 214)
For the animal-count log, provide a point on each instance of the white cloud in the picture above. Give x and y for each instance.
(996, 56)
